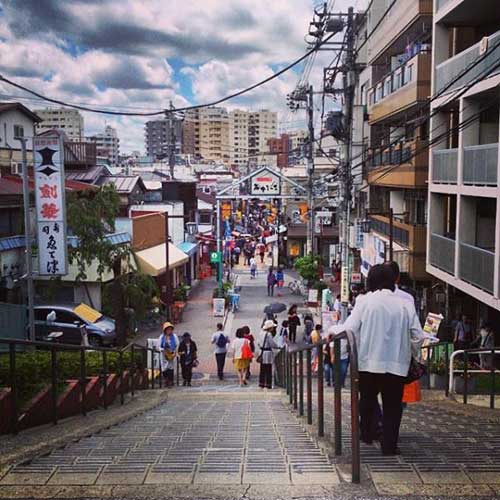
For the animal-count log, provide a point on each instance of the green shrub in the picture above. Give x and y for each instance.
(34, 369)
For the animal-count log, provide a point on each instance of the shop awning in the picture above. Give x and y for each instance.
(188, 248)
(152, 261)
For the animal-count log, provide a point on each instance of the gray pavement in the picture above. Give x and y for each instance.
(217, 440)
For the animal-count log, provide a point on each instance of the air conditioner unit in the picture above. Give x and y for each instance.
(16, 168)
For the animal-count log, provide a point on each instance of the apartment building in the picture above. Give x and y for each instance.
(107, 145)
(214, 135)
(280, 147)
(392, 101)
(262, 125)
(70, 121)
(191, 133)
(463, 234)
(238, 137)
(159, 135)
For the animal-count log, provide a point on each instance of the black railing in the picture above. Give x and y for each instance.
(469, 371)
(289, 363)
(139, 376)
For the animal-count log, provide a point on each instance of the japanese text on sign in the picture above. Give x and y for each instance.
(265, 182)
(50, 205)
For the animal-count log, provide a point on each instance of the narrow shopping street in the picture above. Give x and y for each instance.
(218, 440)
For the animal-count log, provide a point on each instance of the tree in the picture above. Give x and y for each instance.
(308, 267)
(91, 217)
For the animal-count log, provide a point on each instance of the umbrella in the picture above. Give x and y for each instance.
(275, 308)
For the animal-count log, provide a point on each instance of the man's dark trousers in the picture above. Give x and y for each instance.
(391, 387)
(221, 359)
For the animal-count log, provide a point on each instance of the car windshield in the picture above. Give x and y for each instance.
(87, 313)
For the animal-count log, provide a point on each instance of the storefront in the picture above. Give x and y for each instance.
(190, 267)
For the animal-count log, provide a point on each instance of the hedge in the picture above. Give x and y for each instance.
(34, 368)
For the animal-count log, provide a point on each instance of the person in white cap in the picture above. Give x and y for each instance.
(266, 344)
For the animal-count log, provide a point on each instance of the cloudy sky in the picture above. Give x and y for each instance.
(138, 55)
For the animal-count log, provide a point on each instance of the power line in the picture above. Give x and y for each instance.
(185, 108)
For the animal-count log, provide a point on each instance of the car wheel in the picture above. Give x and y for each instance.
(95, 341)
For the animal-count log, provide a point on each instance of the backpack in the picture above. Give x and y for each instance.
(221, 341)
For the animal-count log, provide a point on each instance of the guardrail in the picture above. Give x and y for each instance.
(290, 366)
(465, 371)
(137, 371)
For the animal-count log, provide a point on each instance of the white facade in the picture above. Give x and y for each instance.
(108, 145)
(70, 121)
(463, 243)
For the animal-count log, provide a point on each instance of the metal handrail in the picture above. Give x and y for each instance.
(465, 371)
(55, 347)
(287, 365)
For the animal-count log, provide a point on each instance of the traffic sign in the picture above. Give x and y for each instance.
(215, 257)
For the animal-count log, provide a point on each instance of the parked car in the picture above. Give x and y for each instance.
(69, 320)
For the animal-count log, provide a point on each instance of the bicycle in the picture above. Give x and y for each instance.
(296, 288)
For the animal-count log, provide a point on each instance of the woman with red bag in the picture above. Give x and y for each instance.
(242, 355)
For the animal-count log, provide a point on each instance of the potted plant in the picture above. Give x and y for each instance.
(437, 374)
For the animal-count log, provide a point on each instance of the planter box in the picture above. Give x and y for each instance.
(458, 385)
(438, 381)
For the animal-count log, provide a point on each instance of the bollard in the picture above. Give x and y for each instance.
(290, 379)
(337, 401)
(152, 369)
(122, 393)
(301, 383)
(466, 378)
(309, 387)
(321, 402)
(132, 370)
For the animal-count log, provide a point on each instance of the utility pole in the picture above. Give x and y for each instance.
(172, 141)
(310, 169)
(349, 77)
(27, 239)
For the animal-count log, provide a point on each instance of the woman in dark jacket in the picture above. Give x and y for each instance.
(188, 353)
(293, 323)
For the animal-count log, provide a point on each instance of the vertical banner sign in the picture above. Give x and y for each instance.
(50, 205)
(344, 285)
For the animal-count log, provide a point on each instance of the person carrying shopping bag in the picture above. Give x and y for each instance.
(169, 344)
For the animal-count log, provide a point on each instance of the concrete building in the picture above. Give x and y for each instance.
(191, 133)
(262, 126)
(108, 145)
(238, 138)
(70, 121)
(399, 73)
(214, 135)
(158, 137)
(280, 147)
(463, 234)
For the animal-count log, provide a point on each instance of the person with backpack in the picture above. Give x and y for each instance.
(169, 345)
(242, 355)
(220, 341)
(266, 356)
(271, 282)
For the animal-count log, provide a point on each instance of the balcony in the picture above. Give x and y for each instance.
(481, 165)
(448, 70)
(404, 15)
(401, 89)
(444, 166)
(477, 266)
(411, 236)
(442, 253)
(401, 165)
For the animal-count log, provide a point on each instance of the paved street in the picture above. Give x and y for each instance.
(222, 441)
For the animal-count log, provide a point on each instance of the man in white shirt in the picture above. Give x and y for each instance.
(400, 293)
(387, 331)
(220, 341)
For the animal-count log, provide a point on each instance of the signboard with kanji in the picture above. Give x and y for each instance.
(264, 183)
(50, 205)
